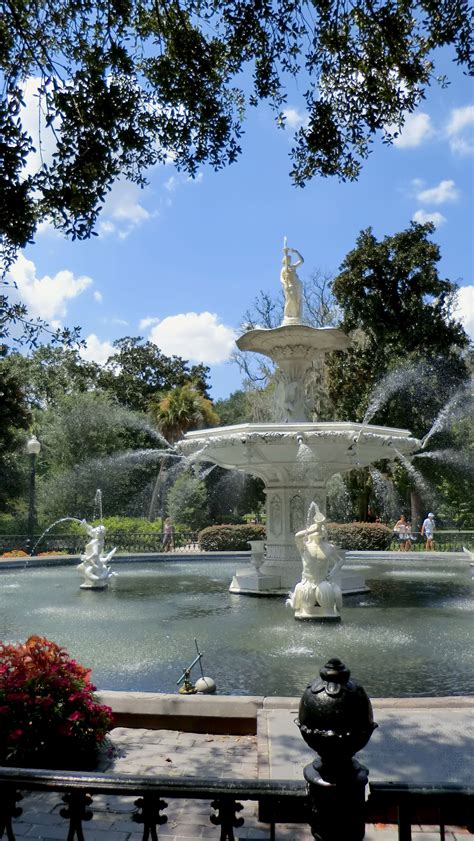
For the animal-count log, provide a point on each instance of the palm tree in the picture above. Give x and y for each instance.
(176, 412)
(181, 409)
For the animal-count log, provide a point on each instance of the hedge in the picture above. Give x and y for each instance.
(361, 536)
(230, 538)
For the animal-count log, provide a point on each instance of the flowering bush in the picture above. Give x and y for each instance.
(15, 553)
(49, 716)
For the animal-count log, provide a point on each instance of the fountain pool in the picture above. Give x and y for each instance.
(410, 636)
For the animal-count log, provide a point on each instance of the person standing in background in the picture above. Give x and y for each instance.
(427, 530)
(168, 536)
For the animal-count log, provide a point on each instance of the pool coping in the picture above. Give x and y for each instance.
(232, 714)
(354, 556)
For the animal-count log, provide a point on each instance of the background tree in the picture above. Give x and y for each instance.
(88, 442)
(399, 313)
(126, 85)
(49, 373)
(15, 418)
(187, 502)
(138, 371)
(233, 409)
(181, 409)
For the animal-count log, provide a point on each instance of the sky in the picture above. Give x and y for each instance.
(180, 261)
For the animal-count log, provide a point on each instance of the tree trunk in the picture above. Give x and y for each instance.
(416, 509)
(156, 492)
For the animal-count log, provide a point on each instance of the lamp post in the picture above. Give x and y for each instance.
(33, 447)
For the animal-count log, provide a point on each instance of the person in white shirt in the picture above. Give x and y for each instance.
(427, 530)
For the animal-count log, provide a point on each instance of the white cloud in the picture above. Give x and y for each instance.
(46, 296)
(195, 336)
(294, 118)
(147, 322)
(175, 181)
(171, 184)
(465, 309)
(97, 296)
(459, 119)
(461, 146)
(461, 141)
(95, 350)
(122, 211)
(416, 129)
(422, 217)
(443, 192)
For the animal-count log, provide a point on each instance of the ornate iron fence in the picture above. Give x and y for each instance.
(73, 544)
(279, 802)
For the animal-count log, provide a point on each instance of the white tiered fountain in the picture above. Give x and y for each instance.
(294, 458)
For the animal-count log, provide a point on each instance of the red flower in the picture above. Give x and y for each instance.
(75, 716)
(15, 735)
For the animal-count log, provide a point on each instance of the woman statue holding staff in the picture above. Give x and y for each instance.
(292, 286)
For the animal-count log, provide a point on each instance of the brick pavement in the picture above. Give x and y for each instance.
(175, 753)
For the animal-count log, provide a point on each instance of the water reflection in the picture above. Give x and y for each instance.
(411, 635)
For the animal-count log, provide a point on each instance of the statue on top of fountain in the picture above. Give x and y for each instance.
(317, 596)
(94, 566)
(292, 286)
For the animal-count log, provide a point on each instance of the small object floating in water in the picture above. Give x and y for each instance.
(204, 685)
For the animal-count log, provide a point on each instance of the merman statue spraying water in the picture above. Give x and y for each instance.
(94, 564)
(317, 596)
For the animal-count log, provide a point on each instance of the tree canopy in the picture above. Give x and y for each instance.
(137, 370)
(129, 83)
(400, 314)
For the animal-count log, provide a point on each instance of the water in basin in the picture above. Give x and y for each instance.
(410, 636)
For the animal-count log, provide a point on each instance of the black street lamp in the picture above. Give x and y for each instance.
(33, 447)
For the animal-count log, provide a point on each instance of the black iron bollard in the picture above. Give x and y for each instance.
(336, 720)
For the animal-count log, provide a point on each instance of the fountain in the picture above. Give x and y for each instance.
(94, 567)
(294, 458)
(318, 595)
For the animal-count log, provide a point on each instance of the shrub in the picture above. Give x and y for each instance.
(49, 715)
(131, 525)
(15, 553)
(361, 536)
(230, 538)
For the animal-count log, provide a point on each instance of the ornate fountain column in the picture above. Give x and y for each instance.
(287, 505)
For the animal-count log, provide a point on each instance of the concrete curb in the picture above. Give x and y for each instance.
(231, 714)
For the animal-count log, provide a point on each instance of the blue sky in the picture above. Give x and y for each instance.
(180, 261)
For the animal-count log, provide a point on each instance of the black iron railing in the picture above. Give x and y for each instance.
(280, 802)
(73, 544)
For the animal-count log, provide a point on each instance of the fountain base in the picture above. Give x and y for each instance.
(246, 582)
(322, 617)
(99, 585)
(251, 583)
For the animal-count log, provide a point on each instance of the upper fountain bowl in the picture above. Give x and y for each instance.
(267, 449)
(291, 339)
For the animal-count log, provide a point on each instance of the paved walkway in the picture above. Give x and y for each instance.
(174, 753)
